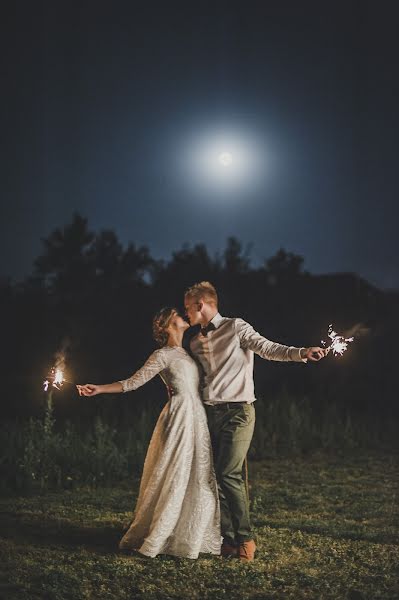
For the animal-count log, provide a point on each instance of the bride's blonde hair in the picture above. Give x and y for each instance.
(160, 323)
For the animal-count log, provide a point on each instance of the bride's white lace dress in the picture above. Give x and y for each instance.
(177, 510)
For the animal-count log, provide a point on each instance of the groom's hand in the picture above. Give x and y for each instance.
(314, 353)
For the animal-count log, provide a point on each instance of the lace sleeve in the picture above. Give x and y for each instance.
(153, 365)
(252, 340)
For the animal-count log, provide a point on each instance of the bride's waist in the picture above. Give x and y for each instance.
(185, 396)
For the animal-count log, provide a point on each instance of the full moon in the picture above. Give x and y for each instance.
(225, 159)
(221, 161)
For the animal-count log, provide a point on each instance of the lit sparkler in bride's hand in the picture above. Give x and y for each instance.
(57, 379)
(339, 343)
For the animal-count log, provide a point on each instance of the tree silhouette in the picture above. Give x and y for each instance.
(236, 261)
(65, 265)
(284, 267)
(187, 266)
(137, 264)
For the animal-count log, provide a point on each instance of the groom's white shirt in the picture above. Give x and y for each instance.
(226, 355)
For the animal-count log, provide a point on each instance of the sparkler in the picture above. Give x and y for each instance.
(56, 378)
(339, 343)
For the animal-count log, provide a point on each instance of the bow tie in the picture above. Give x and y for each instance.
(207, 329)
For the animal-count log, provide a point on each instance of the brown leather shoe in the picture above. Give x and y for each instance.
(228, 550)
(246, 551)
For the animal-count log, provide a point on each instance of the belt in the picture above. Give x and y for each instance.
(226, 405)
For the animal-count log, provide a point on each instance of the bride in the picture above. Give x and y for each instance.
(177, 510)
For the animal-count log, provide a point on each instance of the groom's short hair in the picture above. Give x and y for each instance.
(203, 291)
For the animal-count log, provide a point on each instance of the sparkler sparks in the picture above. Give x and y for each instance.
(339, 343)
(57, 377)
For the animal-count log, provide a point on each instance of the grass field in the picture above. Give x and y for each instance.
(326, 527)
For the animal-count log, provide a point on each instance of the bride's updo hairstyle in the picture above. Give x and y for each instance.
(160, 323)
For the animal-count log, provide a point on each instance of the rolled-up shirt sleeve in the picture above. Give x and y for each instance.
(153, 365)
(252, 340)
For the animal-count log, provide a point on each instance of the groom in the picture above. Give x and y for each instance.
(225, 350)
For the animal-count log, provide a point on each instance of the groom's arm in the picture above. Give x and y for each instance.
(252, 340)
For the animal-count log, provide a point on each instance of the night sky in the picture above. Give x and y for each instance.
(120, 111)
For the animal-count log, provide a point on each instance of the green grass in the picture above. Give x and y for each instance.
(326, 527)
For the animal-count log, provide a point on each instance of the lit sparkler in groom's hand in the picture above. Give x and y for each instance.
(339, 343)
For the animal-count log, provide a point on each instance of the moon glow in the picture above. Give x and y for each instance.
(222, 162)
(225, 159)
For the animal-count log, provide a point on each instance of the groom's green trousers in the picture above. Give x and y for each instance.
(231, 425)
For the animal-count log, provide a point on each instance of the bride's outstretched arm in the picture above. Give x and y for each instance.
(91, 389)
(154, 365)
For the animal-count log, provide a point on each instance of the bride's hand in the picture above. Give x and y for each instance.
(89, 389)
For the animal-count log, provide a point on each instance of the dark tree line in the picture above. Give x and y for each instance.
(93, 300)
